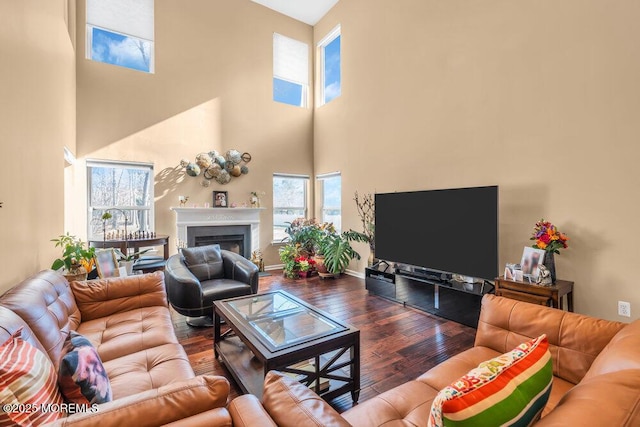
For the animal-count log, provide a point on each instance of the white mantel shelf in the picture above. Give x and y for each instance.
(203, 217)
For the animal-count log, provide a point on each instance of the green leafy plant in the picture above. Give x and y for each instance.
(75, 256)
(337, 250)
(288, 255)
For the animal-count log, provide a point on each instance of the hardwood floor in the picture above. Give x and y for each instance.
(397, 343)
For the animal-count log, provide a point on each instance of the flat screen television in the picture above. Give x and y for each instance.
(451, 231)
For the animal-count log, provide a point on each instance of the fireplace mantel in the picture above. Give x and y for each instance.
(206, 217)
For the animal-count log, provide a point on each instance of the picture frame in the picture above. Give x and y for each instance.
(531, 258)
(220, 199)
(106, 263)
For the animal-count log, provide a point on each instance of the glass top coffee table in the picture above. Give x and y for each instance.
(276, 330)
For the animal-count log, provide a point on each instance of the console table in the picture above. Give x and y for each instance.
(160, 239)
(537, 294)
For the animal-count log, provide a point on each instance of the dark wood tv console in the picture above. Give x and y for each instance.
(457, 301)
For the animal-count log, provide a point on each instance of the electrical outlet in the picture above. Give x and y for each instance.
(624, 308)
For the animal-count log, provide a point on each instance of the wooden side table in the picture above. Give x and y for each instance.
(537, 294)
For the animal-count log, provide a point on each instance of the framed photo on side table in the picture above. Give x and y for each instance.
(106, 263)
(220, 199)
(531, 258)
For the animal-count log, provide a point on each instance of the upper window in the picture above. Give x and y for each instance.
(330, 60)
(331, 189)
(289, 202)
(121, 32)
(126, 190)
(290, 71)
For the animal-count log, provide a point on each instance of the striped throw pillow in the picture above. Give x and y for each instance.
(28, 382)
(511, 389)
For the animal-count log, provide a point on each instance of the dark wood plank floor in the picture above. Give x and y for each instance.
(397, 343)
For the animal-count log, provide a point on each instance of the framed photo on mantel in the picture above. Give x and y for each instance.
(220, 199)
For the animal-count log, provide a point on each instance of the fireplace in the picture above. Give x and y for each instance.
(235, 229)
(234, 238)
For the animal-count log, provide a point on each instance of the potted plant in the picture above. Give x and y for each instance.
(334, 252)
(304, 265)
(288, 255)
(76, 259)
(366, 208)
(127, 260)
(305, 233)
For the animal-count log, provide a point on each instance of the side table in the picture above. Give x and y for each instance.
(537, 294)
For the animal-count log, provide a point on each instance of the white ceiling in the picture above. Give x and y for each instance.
(307, 11)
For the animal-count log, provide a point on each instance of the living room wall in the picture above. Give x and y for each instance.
(540, 98)
(212, 89)
(37, 119)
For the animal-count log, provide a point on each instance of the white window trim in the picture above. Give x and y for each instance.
(305, 208)
(96, 163)
(283, 45)
(333, 34)
(320, 178)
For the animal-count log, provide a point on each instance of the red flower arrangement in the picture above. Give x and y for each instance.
(304, 263)
(548, 238)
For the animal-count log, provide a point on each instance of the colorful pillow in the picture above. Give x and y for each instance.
(511, 389)
(82, 378)
(27, 382)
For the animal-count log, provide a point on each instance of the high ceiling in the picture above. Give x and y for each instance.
(307, 11)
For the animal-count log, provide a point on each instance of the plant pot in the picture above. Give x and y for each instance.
(303, 274)
(320, 267)
(78, 276)
(550, 263)
(128, 265)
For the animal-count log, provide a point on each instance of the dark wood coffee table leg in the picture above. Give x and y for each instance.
(355, 356)
(216, 332)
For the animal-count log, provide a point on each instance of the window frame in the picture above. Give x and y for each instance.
(116, 164)
(282, 45)
(306, 180)
(320, 179)
(321, 47)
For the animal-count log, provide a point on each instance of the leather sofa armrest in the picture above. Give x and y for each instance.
(218, 417)
(237, 267)
(247, 411)
(167, 404)
(183, 287)
(292, 404)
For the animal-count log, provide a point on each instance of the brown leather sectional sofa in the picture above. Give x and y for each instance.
(129, 323)
(596, 365)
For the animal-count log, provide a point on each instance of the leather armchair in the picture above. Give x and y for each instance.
(198, 276)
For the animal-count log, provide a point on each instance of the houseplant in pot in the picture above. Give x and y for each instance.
(76, 259)
(334, 251)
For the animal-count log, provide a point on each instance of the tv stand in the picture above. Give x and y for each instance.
(430, 291)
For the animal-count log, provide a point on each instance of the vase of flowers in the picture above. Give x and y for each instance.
(304, 266)
(549, 239)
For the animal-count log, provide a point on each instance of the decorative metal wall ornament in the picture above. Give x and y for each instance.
(214, 165)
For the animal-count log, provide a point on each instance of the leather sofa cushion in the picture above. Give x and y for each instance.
(247, 411)
(46, 303)
(129, 332)
(622, 352)
(405, 405)
(214, 290)
(610, 399)
(11, 322)
(105, 297)
(292, 404)
(148, 369)
(575, 340)
(163, 406)
(205, 262)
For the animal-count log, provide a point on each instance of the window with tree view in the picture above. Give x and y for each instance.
(125, 190)
(289, 202)
(331, 188)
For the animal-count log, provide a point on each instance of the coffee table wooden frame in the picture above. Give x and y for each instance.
(248, 359)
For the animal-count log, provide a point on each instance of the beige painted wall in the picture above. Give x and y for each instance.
(211, 90)
(37, 119)
(541, 98)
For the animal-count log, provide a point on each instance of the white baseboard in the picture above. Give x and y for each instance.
(358, 274)
(273, 267)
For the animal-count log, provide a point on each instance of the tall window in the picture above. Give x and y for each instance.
(331, 188)
(289, 201)
(290, 71)
(121, 32)
(126, 189)
(330, 69)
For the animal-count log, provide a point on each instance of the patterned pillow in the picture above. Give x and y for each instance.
(511, 389)
(82, 378)
(27, 380)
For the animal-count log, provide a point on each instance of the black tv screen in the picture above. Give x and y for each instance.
(453, 231)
